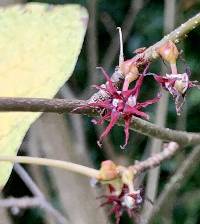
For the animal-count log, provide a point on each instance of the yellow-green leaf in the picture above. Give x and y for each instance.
(39, 47)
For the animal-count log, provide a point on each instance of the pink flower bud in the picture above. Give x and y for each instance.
(108, 170)
(168, 52)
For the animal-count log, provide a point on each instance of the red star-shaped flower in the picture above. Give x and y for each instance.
(177, 85)
(121, 104)
(125, 201)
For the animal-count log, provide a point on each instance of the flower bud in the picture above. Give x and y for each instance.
(108, 170)
(133, 73)
(130, 71)
(129, 67)
(124, 67)
(168, 52)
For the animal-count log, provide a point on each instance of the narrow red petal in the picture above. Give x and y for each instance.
(135, 91)
(142, 114)
(138, 85)
(126, 131)
(128, 93)
(148, 102)
(134, 111)
(114, 118)
(111, 88)
(102, 119)
(116, 209)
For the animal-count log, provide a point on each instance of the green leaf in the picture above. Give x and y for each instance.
(39, 47)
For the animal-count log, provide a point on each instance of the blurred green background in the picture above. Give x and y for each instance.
(184, 205)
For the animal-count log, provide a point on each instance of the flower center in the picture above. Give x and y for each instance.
(115, 102)
(131, 101)
(128, 202)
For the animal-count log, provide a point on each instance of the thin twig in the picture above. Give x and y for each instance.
(28, 180)
(176, 36)
(90, 172)
(81, 107)
(22, 203)
(181, 32)
(37, 194)
(139, 167)
(31, 202)
(156, 159)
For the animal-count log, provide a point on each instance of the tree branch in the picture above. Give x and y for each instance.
(138, 168)
(22, 173)
(81, 107)
(157, 158)
(38, 200)
(152, 130)
(175, 36)
(23, 202)
(32, 202)
(90, 172)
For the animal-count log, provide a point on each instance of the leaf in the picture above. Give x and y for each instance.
(39, 47)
